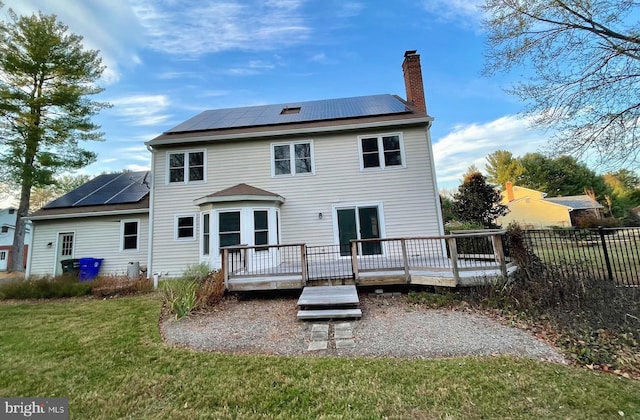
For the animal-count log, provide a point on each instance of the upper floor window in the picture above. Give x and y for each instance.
(381, 151)
(130, 232)
(292, 158)
(5, 229)
(186, 167)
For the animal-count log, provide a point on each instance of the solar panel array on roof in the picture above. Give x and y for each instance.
(122, 188)
(328, 109)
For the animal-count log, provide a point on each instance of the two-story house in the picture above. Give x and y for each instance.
(319, 172)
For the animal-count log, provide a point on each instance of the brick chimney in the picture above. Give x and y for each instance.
(413, 80)
(509, 189)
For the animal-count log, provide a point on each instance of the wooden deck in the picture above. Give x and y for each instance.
(450, 261)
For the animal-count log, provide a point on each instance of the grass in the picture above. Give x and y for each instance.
(107, 357)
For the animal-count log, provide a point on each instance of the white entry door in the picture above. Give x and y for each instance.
(65, 250)
(3, 260)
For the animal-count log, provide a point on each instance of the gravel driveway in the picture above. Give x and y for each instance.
(390, 327)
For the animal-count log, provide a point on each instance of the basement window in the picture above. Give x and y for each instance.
(287, 110)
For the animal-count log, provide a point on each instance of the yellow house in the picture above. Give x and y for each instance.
(532, 208)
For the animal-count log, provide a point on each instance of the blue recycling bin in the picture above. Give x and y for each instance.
(89, 268)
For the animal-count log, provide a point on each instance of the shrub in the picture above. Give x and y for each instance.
(179, 295)
(591, 222)
(45, 288)
(596, 322)
(210, 284)
(120, 285)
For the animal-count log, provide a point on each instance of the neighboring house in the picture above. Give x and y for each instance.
(534, 209)
(320, 173)
(108, 217)
(7, 230)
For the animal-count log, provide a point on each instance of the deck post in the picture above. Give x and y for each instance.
(453, 251)
(354, 261)
(498, 251)
(405, 260)
(303, 264)
(225, 268)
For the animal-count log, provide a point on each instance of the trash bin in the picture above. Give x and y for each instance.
(70, 267)
(133, 270)
(89, 268)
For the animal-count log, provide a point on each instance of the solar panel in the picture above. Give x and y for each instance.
(328, 109)
(128, 187)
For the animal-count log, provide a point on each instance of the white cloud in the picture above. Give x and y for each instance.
(196, 28)
(470, 144)
(466, 13)
(349, 9)
(142, 109)
(108, 26)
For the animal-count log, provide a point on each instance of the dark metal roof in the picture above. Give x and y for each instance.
(328, 109)
(107, 189)
(576, 202)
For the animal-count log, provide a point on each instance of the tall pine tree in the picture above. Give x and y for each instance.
(46, 78)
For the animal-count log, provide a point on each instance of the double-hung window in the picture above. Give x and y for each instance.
(381, 151)
(261, 228)
(292, 158)
(130, 231)
(186, 167)
(185, 227)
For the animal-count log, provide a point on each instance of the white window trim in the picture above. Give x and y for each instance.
(194, 217)
(292, 158)
(186, 166)
(344, 206)
(253, 227)
(202, 224)
(381, 152)
(138, 236)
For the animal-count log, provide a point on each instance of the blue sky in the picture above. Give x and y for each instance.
(168, 60)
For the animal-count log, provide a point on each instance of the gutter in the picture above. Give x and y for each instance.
(92, 214)
(277, 133)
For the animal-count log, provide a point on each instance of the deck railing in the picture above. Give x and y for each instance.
(453, 254)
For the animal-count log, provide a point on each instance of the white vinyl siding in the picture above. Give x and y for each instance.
(94, 237)
(408, 195)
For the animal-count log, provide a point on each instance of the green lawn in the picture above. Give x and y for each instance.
(107, 357)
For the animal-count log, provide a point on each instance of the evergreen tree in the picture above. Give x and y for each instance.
(46, 78)
(477, 201)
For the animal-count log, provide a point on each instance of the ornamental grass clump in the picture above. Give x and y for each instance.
(180, 296)
(44, 288)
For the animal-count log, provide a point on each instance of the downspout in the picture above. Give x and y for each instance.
(151, 202)
(27, 273)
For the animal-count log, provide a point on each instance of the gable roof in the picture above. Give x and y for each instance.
(240, 192)
(126, 192)
(323, 115)
(576, 202)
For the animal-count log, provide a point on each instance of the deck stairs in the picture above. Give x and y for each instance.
(329, 302)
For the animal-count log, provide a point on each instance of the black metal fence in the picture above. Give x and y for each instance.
(609, 254)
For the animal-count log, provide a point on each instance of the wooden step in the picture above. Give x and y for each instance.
(329, 313)
(317, 297)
